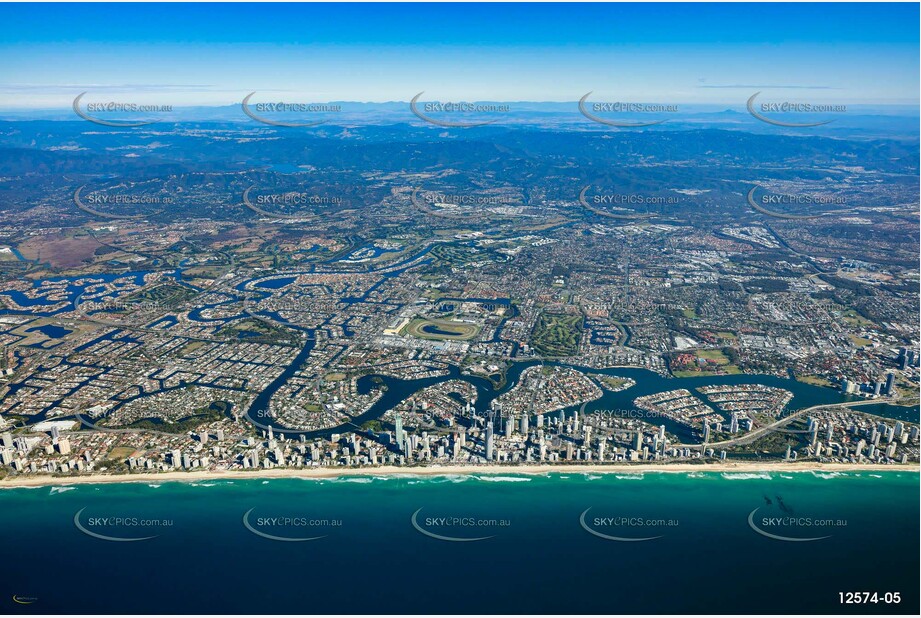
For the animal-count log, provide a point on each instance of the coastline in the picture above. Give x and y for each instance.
(329, 473)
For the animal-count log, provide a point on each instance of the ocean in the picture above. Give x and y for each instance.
(559, 543)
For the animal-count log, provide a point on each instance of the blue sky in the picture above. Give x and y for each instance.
(214, 54)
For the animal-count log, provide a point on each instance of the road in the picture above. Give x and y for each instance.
(753, 435)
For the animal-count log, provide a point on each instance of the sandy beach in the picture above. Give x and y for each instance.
(319, 473)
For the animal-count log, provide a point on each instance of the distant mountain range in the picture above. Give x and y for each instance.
(859, 121)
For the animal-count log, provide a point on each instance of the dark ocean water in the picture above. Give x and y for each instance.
(536, 558)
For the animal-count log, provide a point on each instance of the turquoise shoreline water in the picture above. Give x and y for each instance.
(376, 550)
